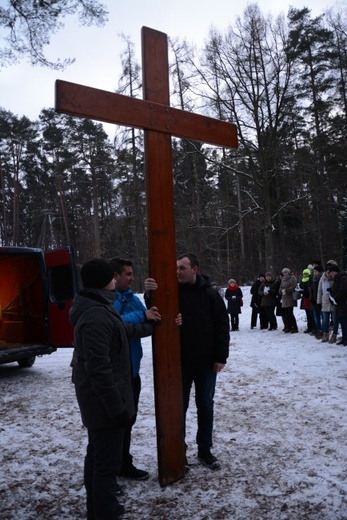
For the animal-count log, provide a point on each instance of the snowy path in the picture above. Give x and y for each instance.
(280, 435)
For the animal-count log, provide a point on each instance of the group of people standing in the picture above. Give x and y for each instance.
(272, 297)
(108, 321)
(320, 291)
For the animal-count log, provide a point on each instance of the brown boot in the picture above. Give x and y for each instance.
(332, 338)
(325, 337)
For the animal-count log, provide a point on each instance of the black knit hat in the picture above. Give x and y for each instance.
(330, 264)
(96, 274)
(333, 268)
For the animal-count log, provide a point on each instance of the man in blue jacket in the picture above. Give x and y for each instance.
(132, 310)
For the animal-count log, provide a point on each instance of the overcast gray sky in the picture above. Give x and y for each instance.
(25, 90)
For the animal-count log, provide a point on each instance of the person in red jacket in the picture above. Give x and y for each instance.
(234, 296)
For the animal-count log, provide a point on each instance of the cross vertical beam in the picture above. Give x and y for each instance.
(162, 265)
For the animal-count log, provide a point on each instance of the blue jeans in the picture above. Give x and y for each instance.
(317, 317)
(326, 321)
(201, 374)
(101, 466)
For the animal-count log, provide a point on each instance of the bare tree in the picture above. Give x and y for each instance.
(247, 74)
(27, 26)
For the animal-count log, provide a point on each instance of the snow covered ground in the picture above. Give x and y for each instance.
(280, 435)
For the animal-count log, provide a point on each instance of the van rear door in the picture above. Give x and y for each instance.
(62, 286)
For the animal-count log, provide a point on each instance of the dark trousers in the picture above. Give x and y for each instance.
(254, 316)
(270, 316)
(204, 379)
(264, 322)
(290, 318)
(101, 466)
(310, 319)
(127, 458)
(234, 319)
(343, 323)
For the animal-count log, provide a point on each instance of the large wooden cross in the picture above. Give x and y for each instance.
(160, 122)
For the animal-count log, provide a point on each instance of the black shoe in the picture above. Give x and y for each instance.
(120, 511)
(134, 473)
(208, 459)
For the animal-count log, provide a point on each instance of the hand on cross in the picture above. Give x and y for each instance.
(178, 320)
(150, 285)
(153, 314)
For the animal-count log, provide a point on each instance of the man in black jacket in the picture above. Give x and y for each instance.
(103, 384)
(338, 296)
(204, 345)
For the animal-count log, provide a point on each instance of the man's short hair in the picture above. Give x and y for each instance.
(193, 259)
(118, 264)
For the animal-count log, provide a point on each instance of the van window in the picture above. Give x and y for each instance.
(60, 283)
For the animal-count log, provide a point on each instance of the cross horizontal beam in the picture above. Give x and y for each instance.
(109, 107)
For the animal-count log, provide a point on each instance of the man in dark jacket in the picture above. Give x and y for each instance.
(102, 377)
(204, 345)
(338, 297)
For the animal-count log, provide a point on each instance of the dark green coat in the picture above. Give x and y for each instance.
(271, 298)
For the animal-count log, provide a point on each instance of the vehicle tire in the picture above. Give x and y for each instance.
(26, 362)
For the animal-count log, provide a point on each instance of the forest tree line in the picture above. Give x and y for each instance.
(279, 200)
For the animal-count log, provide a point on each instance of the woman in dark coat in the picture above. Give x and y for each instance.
(268, 292)
(234, 295)
(305, 286)
(256, 305)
